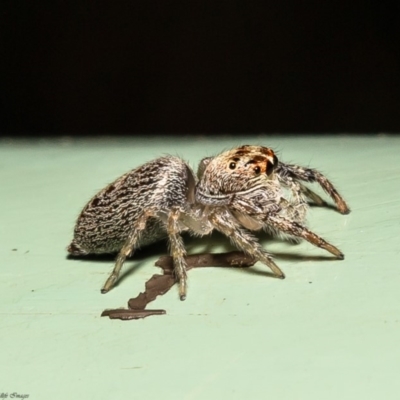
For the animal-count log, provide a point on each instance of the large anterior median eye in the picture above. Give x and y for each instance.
(232, 165)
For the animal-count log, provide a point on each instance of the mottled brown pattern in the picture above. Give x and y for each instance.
(111, 214)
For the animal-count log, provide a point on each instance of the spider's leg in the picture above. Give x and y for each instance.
(224, 222)
(312, 175)
(126, 251)
(297, 207)
(313, 196)
(293, 228)
(178, 251)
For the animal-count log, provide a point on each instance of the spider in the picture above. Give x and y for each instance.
(237, 192)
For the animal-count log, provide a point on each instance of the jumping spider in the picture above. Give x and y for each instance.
(238, 191)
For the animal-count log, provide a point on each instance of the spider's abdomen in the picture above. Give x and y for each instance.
(107, 220)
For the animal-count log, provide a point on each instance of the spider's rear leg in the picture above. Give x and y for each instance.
(226, 224)
(178, 251)
(126, 251)
(312, 175)
(293, 228)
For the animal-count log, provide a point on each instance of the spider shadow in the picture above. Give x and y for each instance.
(209, 245)
(136, 261)
(217, 240)
(289, 257)
(324, 205)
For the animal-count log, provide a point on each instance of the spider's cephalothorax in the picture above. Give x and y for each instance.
(237, 170)
(240, 190)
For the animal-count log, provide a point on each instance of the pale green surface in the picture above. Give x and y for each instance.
(331, 330)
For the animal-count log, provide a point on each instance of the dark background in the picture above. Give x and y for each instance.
(195, 66)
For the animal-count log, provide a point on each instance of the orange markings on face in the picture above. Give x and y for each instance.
(267, 151)
(258, 164)
(258, 159)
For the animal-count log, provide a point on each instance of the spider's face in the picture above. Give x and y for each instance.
(236, 170)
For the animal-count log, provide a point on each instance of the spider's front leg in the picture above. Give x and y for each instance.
(297, 208)
(311, 175)
(299, 192)
(319, 201)
(226, 223)
(285, 225)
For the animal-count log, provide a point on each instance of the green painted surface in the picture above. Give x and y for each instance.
(331, 330)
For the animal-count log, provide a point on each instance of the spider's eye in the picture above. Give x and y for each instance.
(232, 165)
(257, 170)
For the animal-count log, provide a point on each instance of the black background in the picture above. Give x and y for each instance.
(195, 66)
